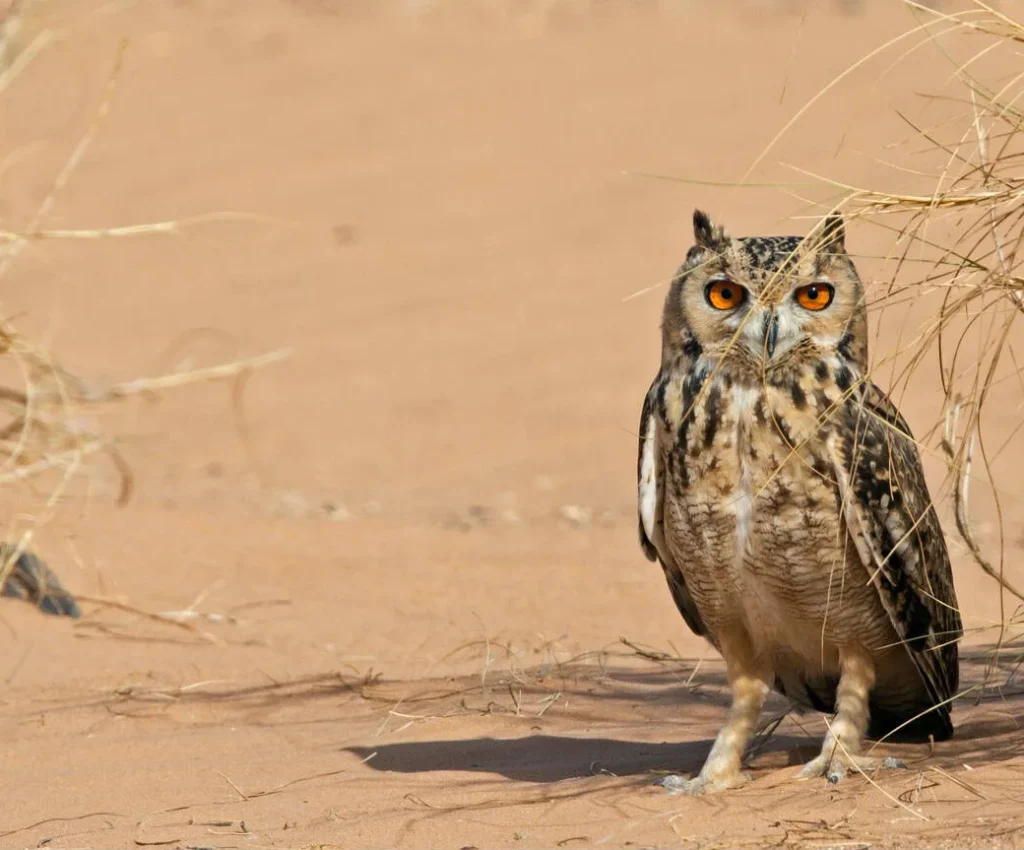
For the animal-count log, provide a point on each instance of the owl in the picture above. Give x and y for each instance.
(783, 495)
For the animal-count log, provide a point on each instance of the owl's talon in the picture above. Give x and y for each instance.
(698, 786)
(673, 783)
(836, 766)
(814, 768)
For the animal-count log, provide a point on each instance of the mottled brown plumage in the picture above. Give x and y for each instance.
(783, 495)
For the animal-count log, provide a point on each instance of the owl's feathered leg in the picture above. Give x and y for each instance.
(749, 685)
(840, 751)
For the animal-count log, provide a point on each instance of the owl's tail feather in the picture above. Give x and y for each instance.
(915, 725)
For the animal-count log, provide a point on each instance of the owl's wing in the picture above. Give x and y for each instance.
(895, 529)
(650, 487)
(651, 502)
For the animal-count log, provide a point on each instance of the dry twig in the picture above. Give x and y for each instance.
(44, 426)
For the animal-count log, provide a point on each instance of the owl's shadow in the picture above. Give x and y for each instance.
(987, 730)
(981, 737)
(545, 758)
(552, 758)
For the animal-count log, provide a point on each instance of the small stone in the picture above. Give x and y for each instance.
(336, 512)
(344, 234)
(578, 516)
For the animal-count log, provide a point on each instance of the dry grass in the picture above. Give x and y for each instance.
(48, 429)
(961, 243)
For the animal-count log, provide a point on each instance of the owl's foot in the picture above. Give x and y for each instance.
(835, 765)
(30, 579)
(700, 785)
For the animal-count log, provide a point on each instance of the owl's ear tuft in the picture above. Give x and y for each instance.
(705, 231)
(832, 238)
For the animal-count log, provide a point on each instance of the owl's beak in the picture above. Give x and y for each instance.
(771, 333)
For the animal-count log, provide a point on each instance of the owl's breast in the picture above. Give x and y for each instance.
(751, 508)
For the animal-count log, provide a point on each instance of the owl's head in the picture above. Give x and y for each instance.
(767, 301)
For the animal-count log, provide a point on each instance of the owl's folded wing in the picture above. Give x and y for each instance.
(650, 508)
(649, 484)
(896, 531)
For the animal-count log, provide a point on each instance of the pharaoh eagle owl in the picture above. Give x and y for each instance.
(784, 497)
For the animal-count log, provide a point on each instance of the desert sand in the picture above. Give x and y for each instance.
(415, 610)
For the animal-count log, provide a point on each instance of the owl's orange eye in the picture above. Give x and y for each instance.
(815, 296)
(725, 295)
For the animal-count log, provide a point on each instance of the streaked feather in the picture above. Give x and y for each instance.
(896, 530)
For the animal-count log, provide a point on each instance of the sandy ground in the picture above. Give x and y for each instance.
(424, 620)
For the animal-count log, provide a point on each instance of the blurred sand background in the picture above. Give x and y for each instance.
(421, 560)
